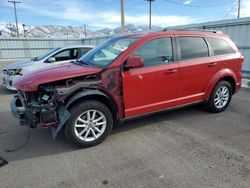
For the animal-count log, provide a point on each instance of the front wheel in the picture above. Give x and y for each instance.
(220, 97)
(89, 124)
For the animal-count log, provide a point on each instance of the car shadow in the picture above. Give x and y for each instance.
(42, 144)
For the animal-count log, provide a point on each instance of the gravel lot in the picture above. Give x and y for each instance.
(184, 148)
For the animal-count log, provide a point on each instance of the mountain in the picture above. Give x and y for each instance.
(55, 31)
(130, 28)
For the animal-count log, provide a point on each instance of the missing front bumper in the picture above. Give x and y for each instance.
(47, 117)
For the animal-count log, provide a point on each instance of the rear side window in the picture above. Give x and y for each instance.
(193, 47)
(220, 46)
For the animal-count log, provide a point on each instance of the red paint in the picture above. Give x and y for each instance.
(30, 83)
(148, 89)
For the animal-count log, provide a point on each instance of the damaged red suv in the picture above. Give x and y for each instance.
(129, 76)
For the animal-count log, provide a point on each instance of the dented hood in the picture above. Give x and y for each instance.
(30, 82)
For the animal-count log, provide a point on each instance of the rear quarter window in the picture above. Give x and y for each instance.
(193, 47)
(220, 46)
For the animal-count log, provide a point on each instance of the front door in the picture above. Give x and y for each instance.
(154, 86)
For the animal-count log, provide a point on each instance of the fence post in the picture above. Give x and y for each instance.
(28, 46)
(51, 42)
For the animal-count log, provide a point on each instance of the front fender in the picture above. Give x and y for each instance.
(63, 112)
(218, 76)
(83, 93)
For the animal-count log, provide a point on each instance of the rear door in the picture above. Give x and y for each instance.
(154, 86)
(197, 68)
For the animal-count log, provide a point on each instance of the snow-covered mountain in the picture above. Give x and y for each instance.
(55, 31)
(130, 28)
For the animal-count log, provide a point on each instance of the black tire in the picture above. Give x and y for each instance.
(76, 111)
(211, 102)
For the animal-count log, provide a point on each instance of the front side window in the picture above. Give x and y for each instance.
(63, 55)
(220, 46)
(156, 52)
(45, 55)
(193, 47)
(108, 51)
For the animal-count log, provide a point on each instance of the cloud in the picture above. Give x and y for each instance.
(245, 8)
(187, 2)
(85, 12)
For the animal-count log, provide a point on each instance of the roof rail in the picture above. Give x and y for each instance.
(201, 30)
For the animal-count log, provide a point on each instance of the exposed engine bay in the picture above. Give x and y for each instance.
(47, 107)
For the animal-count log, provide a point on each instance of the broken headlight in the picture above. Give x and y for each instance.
(12, 72)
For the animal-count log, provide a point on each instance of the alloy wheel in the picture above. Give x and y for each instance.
(221, 97)
(90, 125)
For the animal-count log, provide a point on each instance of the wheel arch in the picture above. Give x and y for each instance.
(93, 94)
(226, 75)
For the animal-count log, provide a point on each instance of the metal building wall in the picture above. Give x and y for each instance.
(237, 29)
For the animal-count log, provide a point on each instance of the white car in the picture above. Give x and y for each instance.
(51, 58)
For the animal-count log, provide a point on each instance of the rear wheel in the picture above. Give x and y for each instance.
(89, 124)
(220, 97)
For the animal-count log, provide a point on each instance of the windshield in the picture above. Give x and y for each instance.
(45, 55)
(108, 51)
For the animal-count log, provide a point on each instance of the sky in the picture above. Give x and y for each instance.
(97, 14)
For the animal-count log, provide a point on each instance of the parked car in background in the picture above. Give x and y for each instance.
(129, 76)
(51, 58)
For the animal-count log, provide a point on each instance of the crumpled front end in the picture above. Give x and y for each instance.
(39, 108)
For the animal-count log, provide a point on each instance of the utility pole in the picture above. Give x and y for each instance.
(150, 5)
(24, 30)
(122, 17)
(14, 3)
(85, 30)
(238, 9)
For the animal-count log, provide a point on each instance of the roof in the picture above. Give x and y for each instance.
(77, 46)
(176, 32)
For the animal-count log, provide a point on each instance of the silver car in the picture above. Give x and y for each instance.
(51, 58)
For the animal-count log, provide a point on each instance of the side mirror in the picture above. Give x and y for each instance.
(51, 60)
(134, 62)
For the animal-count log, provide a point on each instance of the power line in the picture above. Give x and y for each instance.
(14, 3)
(194, 6)
(133, 5)
(157, 11)
(234, 5)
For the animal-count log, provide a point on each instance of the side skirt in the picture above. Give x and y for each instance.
(161, 111)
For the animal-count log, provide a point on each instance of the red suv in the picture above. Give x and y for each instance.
(128, 76)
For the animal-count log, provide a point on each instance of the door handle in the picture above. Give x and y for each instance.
(171, 71)
(212, 64)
